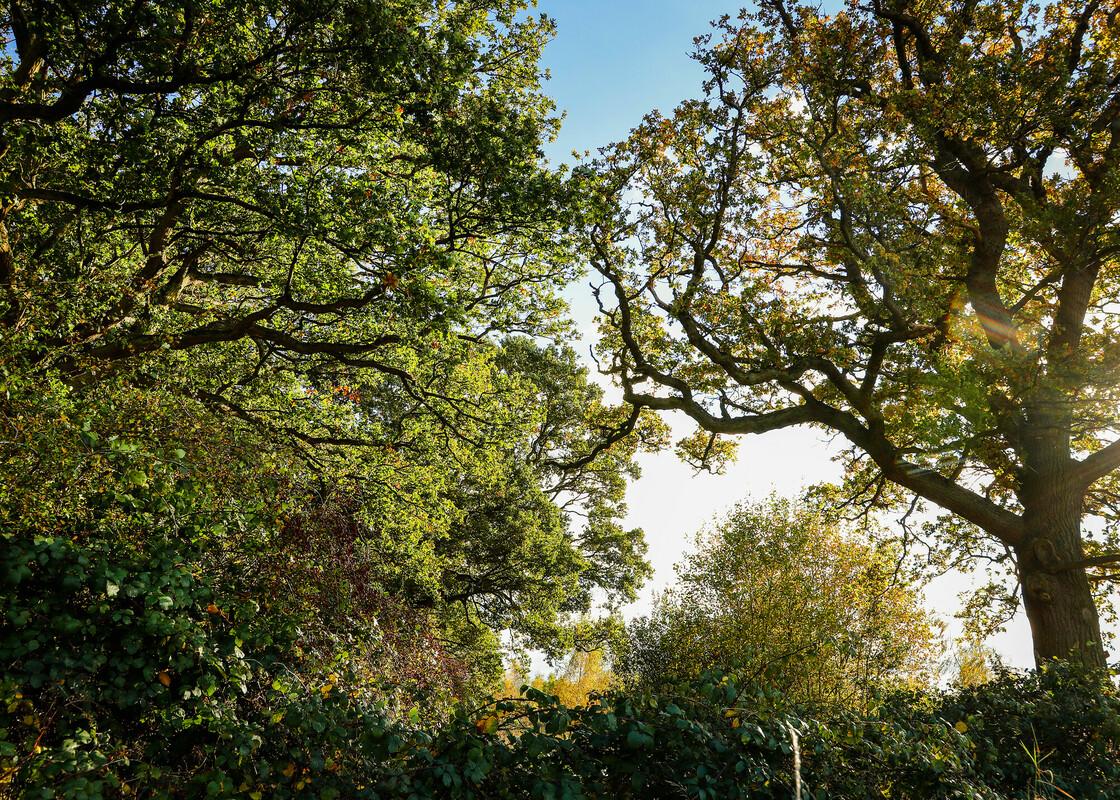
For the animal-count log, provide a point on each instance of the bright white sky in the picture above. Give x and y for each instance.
(612, 62)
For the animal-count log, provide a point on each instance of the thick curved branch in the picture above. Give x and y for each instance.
(1104, 560)
(925, 482)
(1094, 467)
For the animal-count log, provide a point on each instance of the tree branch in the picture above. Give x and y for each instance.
(1094, 467)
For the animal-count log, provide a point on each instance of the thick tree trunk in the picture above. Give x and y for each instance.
(1058, 601)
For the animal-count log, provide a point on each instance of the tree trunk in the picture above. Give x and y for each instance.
(1058, 601)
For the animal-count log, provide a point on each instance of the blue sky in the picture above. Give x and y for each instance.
(615, 60)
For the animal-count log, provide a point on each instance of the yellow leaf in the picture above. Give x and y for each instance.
(961, 727)
(165, 678)
(487, 725)
(289, 770)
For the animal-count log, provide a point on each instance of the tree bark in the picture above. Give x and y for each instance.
(1058, 600)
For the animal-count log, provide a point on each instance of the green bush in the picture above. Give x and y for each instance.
(143, 659)
(139, 660)
(1055, 732)
(708, 740)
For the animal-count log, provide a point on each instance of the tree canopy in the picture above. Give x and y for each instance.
(777, 596)
(897, 223)
(289, 197)
(310, 253)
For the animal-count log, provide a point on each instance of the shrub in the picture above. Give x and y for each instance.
(142, 659)
(138, 661)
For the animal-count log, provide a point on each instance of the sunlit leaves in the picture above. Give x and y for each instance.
(772, 592)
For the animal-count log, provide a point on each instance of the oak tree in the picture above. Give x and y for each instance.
(899, 224)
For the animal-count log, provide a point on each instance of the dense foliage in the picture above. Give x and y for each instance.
(155, 641)
(291, 436)
(775, 593)
(132, 676)
(287, 438)
(897, 223)
(314, 246)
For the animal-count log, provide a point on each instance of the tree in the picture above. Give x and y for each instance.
(313, 248)
(973, 664)
(585, 674)
(897, 224)
(509, 537)
(775, 595)
(247, 200)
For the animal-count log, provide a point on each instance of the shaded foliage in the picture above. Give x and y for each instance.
(132, 675)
